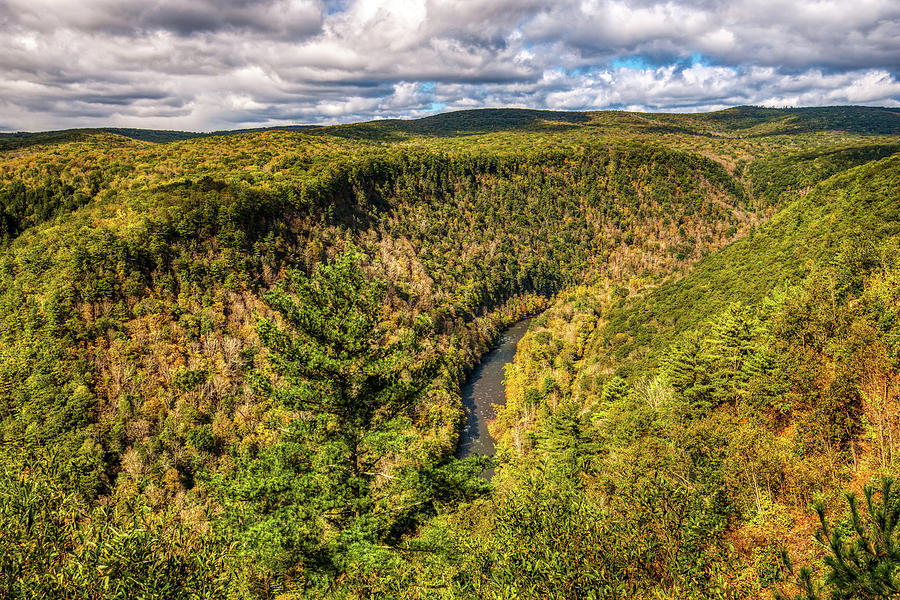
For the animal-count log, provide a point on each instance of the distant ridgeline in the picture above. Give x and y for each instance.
(230, 362)
(743, 121)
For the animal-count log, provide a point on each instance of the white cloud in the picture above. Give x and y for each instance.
(200, 64)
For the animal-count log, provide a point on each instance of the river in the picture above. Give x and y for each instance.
(485, 387)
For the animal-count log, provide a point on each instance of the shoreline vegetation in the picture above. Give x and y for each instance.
(230, 365)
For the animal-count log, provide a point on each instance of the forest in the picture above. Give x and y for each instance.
(230, 363)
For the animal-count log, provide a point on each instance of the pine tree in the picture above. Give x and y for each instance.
(568, 439)
(863, 560)
(866, 564)
(733, 341)
(340, 363)
(324, 498)
(690, 374)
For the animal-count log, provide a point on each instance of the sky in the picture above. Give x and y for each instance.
(205, 65)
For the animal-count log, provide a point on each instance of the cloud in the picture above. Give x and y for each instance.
(199, 64)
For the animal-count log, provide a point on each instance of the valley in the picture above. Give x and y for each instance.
(238, 361)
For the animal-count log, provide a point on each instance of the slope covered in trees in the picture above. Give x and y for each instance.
(760, 381)
(238, 357)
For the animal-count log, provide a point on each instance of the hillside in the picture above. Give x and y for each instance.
(853, 207)
(760, 379)
(237, 357)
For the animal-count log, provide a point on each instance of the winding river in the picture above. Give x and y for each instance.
(485, 387)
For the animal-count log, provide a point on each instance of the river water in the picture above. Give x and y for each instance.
(484, 388)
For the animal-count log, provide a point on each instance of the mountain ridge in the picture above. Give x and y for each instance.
(857, 119)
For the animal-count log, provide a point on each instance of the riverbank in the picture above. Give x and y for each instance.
(485, 388)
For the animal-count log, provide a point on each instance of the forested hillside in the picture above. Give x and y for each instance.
(230, 364)
(756, 384)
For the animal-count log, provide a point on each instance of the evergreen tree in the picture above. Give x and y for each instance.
(342, 365)
(690, 374)
(863, 560)
(325, 498)
(568, 439)
(864, 564)
(732, 344)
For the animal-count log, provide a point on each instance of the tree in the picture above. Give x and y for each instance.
(332, 494)
(342, 365)
(690, 374)
(568, 440)
(866, 564)
(863, 560)
(734, 340)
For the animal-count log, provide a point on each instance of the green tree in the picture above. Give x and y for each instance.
(341, 364)
(863, 560)
(864, 563)
(691, 374)
(343, 483)
(568, 439)
(733, 342)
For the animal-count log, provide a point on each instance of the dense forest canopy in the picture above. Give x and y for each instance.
(230, 363)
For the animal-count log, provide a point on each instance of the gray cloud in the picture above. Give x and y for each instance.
(199, 64)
